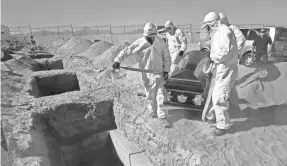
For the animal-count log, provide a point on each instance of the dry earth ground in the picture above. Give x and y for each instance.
(258, 111)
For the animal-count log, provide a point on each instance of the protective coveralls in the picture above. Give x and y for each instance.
(240, 38)
(139, 48)
(224, 55)
(176, 42)
(156, 57)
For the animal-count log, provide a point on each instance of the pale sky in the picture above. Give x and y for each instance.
(39, 13)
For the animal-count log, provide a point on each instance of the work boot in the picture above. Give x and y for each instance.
(210, 121)
(153, 115)
(165, 123)
(218, 132)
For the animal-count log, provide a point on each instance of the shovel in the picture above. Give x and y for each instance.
(115, 73)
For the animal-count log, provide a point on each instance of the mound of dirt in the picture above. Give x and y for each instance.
(76, 62)
(262, 85)
(96, 49)
(74, 46)
(53, 45)
(20, 65)
(106, 59)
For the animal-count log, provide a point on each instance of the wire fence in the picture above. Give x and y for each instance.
(108, 29)
(113, 34)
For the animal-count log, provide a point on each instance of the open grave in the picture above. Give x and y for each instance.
(50, 65)
(72, 138)
(47, 84)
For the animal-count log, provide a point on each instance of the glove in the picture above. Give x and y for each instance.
(209, 75)
(116, 65)
(165, 75)
(181, 53)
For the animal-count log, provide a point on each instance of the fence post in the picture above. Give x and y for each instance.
(124, 29)
(190, 28)
(111, 33)
(97, 29)
(30, 30)
(72, 29)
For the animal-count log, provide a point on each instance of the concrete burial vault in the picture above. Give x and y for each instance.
(65, 122)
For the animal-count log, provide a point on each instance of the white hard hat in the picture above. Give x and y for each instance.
(149, 29)
(223, 18)
(209, 18)
(169, 24)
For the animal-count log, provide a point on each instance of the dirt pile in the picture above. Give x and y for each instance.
(106, 59)
(96, 49)
(262, 85)
(54, 44)
(20, 65)
(34, 52)
(74, 46)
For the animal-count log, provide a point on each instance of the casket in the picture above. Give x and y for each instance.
(187, 87)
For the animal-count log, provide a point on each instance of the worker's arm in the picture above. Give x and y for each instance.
(127, 51)
(270, 44)
(254, 46)
(166, 59)
(181, 36)
(239, 37)
(221, 46)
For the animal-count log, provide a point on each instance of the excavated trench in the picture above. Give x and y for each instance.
(73, 140)
(50, 65)
(47, 85)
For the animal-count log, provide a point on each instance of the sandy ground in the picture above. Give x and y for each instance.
(257, 137)
(258, 110)
(4, 158)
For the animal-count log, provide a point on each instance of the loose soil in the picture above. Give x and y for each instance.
(96, 49)
(43, 126)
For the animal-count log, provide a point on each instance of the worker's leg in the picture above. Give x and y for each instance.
(210, 116)
(222, 115)
(153, 88)
(264, 58)
(145, 81)
(161, 97)
(157, 96)
(258, 57)
(225, 80)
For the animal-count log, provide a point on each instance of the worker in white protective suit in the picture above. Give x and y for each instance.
(240, 38)
(156, 57)
(138, 48)
(176, 41)
(223, 53)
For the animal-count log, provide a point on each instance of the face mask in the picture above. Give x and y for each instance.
(150, 39)
(208, 29)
